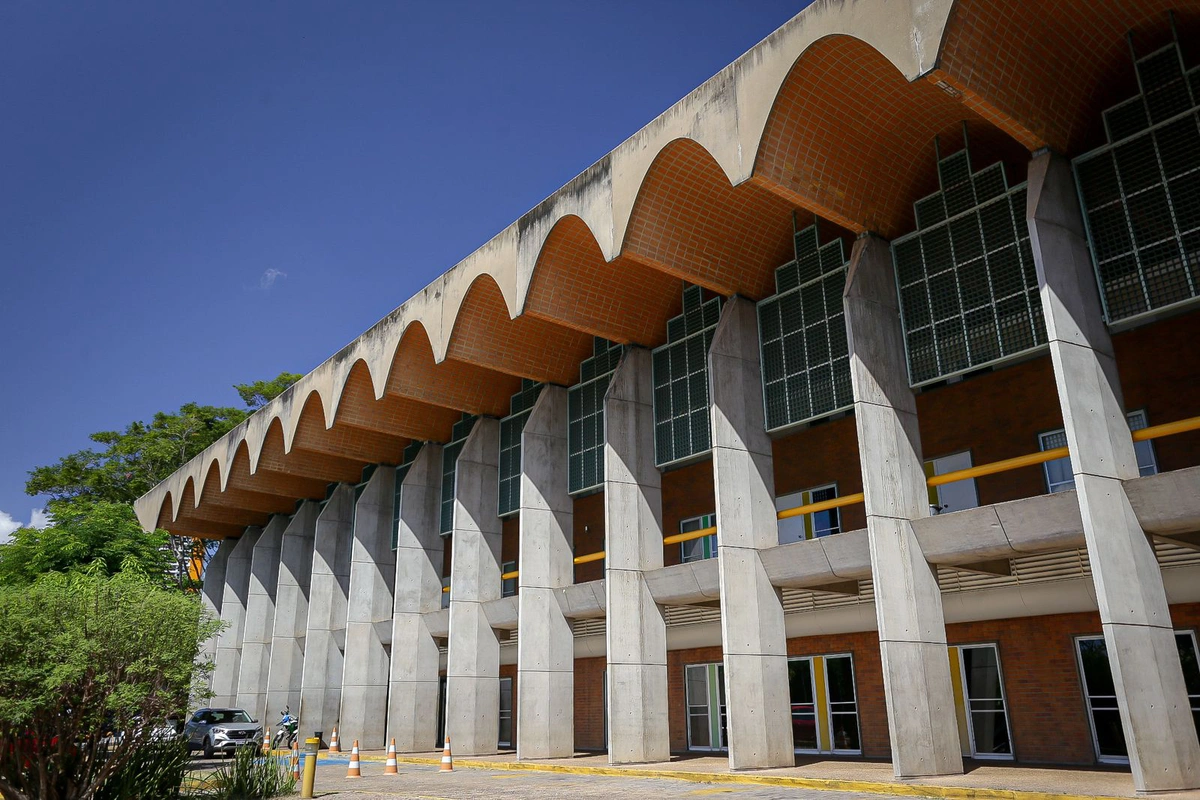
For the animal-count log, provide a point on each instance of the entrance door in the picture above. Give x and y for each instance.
(705, 688)
(824, 704)
(505, 738)
(979, 700)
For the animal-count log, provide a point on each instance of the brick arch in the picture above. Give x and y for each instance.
(690, 222)
(529, 347)
(574, 285)
(1045, 71)
(257, 501)
(211, 518)
(452, 383)
(343, 441)
(397, 416)
(264, 481)
(850, 139)
(273, 457)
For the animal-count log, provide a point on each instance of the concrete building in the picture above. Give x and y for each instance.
(848, 407)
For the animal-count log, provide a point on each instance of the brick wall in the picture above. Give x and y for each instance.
(589, 535)
(589, 703)
(837, 443)
(686, 492)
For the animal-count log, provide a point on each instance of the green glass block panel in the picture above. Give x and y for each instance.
(922, 355)
(681, 381)
(997, 225)
(930, 210)
(983, 340)
(973, 284)
(966, 238)
(957, 186)
(1126, 119)
(585, 418)
(990, 182)
(1007, 277)
(1137, 165)
(1098, 182)
(914, 301)
(1178, 145)
(787, 277)
(1185, 200)
(910, 263)
(1163, 81)
(676, 328)
(943, 296)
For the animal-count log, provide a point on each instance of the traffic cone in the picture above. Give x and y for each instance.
(296, 760)
(333, 741)
(447, 759)
(390, 767)
(354, 771)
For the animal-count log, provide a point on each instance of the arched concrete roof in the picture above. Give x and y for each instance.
(832, 114)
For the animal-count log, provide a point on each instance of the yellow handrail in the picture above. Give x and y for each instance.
(992, 468)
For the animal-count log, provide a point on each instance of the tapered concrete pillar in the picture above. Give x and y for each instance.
(233, 614)
(473, 662)
(260, 619)
(291, 612)
(757, 692)
(413, 696)
(369, 614)
(908, 602)
(546, 645)
(325, 641)
(636, 632)
(212, 593)
(1151, 695)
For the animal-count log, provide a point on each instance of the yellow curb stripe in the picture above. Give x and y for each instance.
(790, 781)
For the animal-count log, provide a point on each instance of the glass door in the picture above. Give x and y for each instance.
(843, 704)
(982, 706)
(505, 739)
(824, 705)
(804, 705)
(704, 685)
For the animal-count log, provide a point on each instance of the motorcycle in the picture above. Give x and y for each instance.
(286, 734)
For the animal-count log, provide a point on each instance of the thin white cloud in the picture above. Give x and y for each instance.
(39, 518)
(269, 277)
(7, 526)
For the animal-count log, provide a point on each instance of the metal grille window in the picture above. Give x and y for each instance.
(410, 455)
(968, 286)
(681, 415)
(511, 427)
(585, 417)
(802, 330)
(1060, 477)
(458, 438)
(1141, 191)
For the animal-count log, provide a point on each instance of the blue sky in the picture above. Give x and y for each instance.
(194, 195)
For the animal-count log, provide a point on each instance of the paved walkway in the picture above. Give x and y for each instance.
(982, 781)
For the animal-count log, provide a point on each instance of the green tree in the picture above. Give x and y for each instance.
(258, 394)
(83, 655)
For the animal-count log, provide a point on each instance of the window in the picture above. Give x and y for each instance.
(802, 330)
(982, 711)
(505, 737)
(968, 287)
(702, 548)
(707, 722)
(450, 452)
(511, 428)
(508, 586)
(681, 412)
(824, 704)
(585, 417)
(410, 455)
(955, 496)
(1101, 695)
(445, 593)
(1059, 475)
(808, 526)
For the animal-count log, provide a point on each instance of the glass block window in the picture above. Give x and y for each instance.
(450, 451)
(968, 286)
(585, 417)
(1141, 192)
(802, 331)
(681, 415)
(410, 455)
(511, 427)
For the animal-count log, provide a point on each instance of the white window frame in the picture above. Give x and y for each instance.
(962, 671)
(445, 594)
(504, 714)
(707, 545)
(938, 503)
(827, 712)
(809, 521)
(721, 710)
(508, 586)
(1147, 461)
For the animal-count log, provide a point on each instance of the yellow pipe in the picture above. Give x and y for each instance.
(507, 575)
(998, 466)
(1167, 429)
(676, 538)
(824, 505)
(589, 557)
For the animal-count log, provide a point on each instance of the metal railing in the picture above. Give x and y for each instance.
(991, 468)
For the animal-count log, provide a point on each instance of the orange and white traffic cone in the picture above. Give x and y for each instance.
(447, 759)
(390, 767)
(354, 771)
(296, 760)
(333, 742)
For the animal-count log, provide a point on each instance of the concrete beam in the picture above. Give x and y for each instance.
(291, 612)
(260, 619)
(233, 614)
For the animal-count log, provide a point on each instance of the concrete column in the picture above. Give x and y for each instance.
(545, 645)
(908, 602)
(413, 696)
(212, 593)
(369, 614)
(757, 693)
(636, 631)
(325, 640)
(291, 612)
(1163, 752)
(473, 665)
(233, 614)
(260, 620)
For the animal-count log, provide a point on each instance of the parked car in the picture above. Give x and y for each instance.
(222, 730)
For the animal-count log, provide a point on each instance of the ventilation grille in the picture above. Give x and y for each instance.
(511, 427)
(450, 452)
(690, 615)
(968, 286)
(1141, 192)
(681, 415)
(588, 627)
(802, 329)
(410, 455)
(585, 417)
(798, 601)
